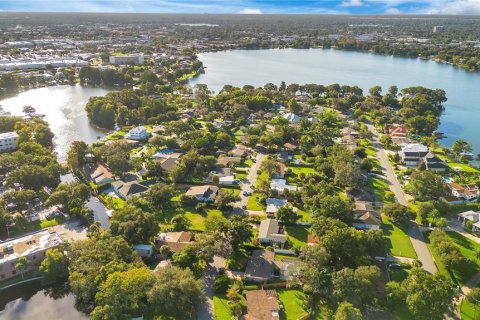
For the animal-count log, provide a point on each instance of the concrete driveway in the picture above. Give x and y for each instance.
(246, 185)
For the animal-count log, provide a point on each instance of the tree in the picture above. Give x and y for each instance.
(175, 293)
(179, 223)
(334, 207)
(22, 265)
(356, 286)
(346, 311)
(400, 215)
(348, 175)
(224, 198)
(428, 296)
(314, 271)
(426, 185)
(123, 295)
(133, 224)
(287, 215)
(461, 146)
(160, 194)
(323, 225)
(54, 267)
(294, 106)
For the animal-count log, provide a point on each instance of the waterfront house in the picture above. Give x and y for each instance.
(99, 174)
(412, 154)
(138, 134)
(434, 163)
(125, 189)
(468, 192)
(8, 141)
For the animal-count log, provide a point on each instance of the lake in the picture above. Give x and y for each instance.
(31, 301)
(64, 109)
(327, 66)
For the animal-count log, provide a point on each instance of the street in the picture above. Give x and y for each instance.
(416, 236)
(250, 181)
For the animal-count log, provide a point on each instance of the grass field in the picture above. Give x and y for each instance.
(467, 311)
(197, 219)
(305, 170)
(297, 235)
(293, 303)
(221, 308)
(465, 271)
(254, 203)
(379, 187)
(398, 242)
(452, 163)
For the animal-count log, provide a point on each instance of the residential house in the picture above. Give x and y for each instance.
(270, 232)
(176, 241)
(412, 154)
(227, 180)
(434, 163)
(370, 220)
(280, 185)
(205, 193)
(312, 240)
(281, 170)
(290, 147)
(262, 305)
(126, 189)
(167, 164)
(99, 174)
(397, 131)
(260, 267)
(32, 246)
(219, 172)
(238, 150)
(468, 192)
(288, 268)
(291, 117)
(226, 161)
(284, 156)
(144, 250)
(469, 215)
(138, 134)
(274, 204)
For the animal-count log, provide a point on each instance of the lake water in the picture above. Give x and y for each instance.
(31, 301)
(327, 66)
(64, 109)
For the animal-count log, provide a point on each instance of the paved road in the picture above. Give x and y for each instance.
(416, 236)
(456, 225)
(251, 179)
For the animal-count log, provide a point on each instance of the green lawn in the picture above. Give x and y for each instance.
(369, 149)
(304, 215)
(254, 203)
(248, 162)
(240, 175)
(114, 203)
(197, 219)
(466, 270)
(297, 235)
(398, 242)
(305, 170)
(452, 163)
(379, 187)
(221, 308)
(235, 190)
(293, 303)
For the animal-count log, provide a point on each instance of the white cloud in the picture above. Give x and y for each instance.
(352, 3)
(392, 11)
(250, 11)
(454, 7)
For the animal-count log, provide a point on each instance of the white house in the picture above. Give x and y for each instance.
(203, 193)
(291, 117)
(8, 141)
(144, 250)
(226, 180)
(280, 185)
(368, 221)
(138, 133)
(469, 216)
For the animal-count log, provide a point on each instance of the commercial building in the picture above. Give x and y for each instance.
(8, 141)
(132, 59)
(41, 63)
(31, 246)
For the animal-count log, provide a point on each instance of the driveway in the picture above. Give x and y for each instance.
(70, 231)
(416, 236)
(456, 225)
(251, 179)
(206, 310)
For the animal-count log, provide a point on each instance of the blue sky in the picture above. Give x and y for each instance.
(249, 6)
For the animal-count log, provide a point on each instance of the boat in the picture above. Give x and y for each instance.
(28, 109)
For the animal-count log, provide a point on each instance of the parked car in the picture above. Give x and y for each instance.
(246, 193)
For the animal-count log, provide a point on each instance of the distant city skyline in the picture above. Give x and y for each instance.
(248, 6)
